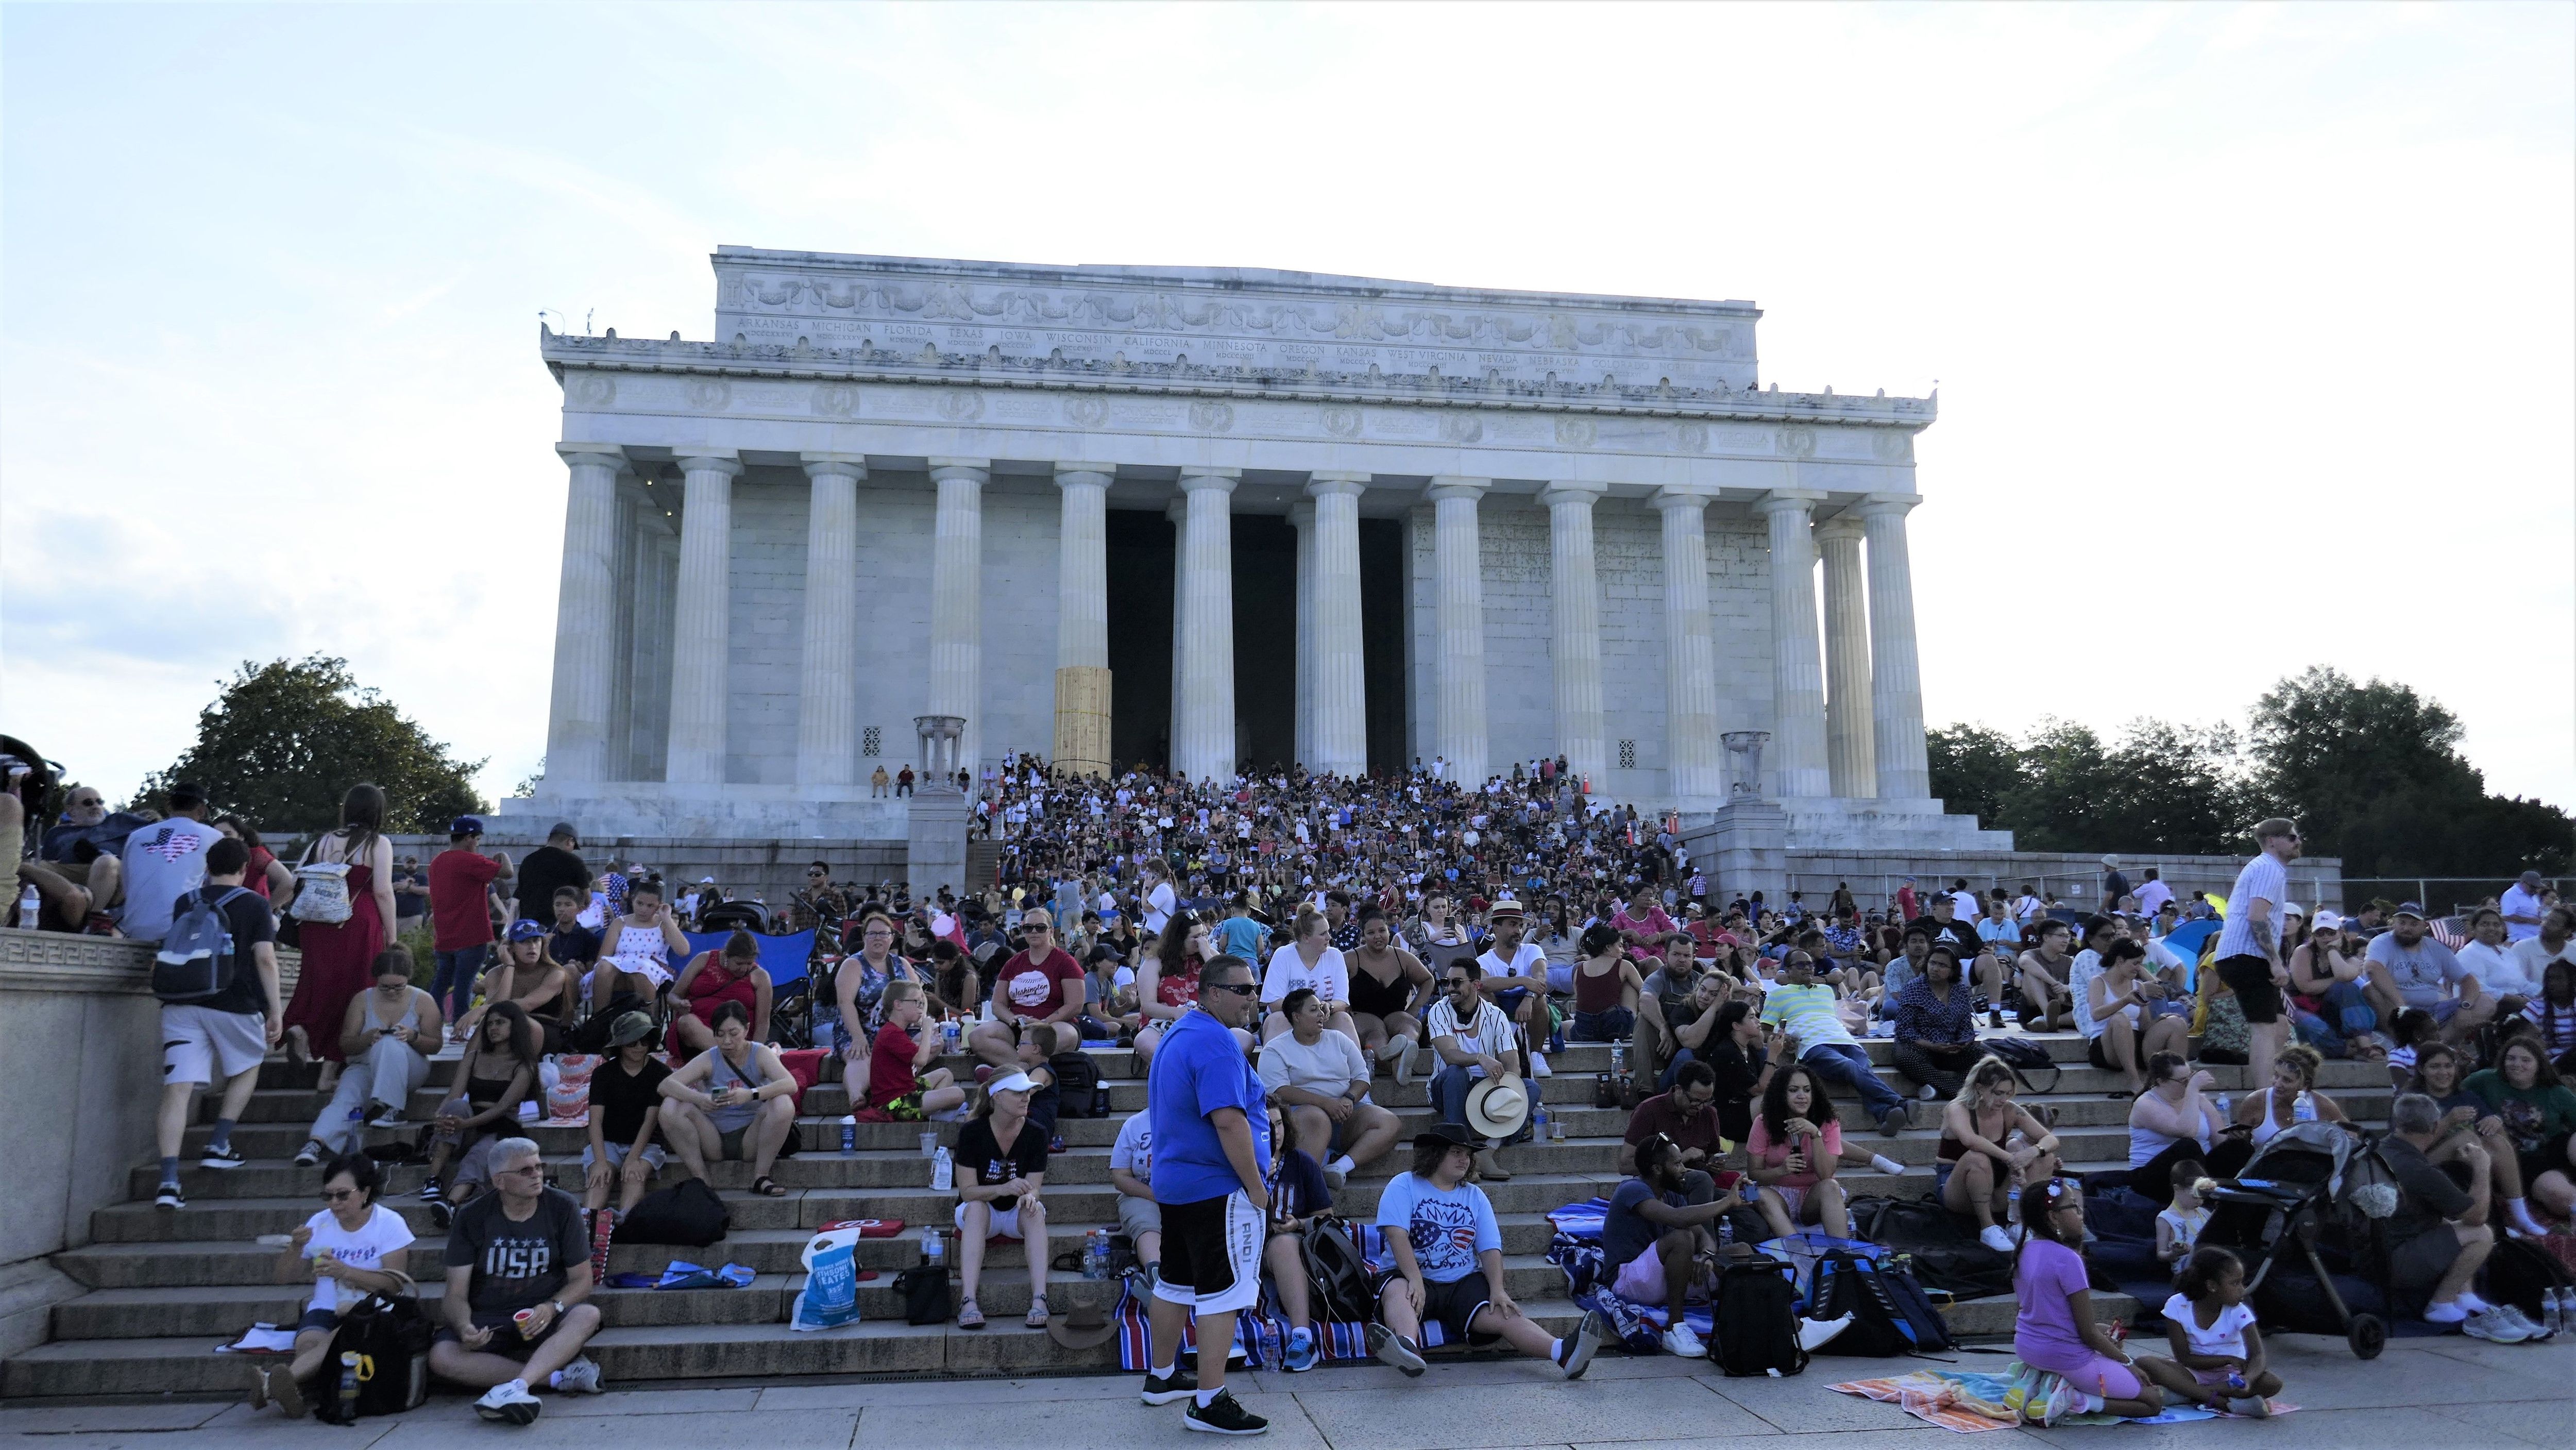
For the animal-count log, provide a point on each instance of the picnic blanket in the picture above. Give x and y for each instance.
(1967, 1402)
(1261, 1332)
(1576, 1249)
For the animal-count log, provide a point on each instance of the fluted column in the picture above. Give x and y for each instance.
(1690, 659)
(1301, 517)
(1082, 683)
(1851, 753)
(957, 598)
(1340, 663)
(827, 705)
(1203, 745)
(1179, 514)
(1575, 607)
(1895, 675)
(1457, 564)
(702, 618)
(1797, 669)
(585, 618)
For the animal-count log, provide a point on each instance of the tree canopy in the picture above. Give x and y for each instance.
(2371, 771)
(285, 740)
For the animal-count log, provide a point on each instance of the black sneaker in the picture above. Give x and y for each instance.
(1583, 1343)
(227, 1156)
(1396, 1350)
(442, 1213)
(1222, 1417)
(169, 1197)
(1183, 1381)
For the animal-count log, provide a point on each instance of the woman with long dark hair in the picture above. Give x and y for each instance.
(339, 957)
(1796, 1145)
(498, 1070)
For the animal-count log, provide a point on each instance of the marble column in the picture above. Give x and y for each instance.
(1301, 517)
(1179, 514)
(957, 598)
(1457, 565)
(585, 618)
(1693, 762)
(1340, 662)
(1850, 747)
(1203, 745)
(1082, 683)
(1797, 668)
(1575, 608)
(827, 702)
(702, 618)
(1895, 674)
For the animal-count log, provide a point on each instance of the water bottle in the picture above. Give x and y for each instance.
(948, 1031)
(2555, 1306)
(348, 1387)
(1618, 1059)
(29, 903)
(2226, 1114)
(1100, 1099)
(1538, 1125)
(943, 1172)
(933, 1247)
(849, 1134)
(1725, 1236)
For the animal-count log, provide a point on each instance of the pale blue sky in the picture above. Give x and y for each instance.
(2254, 325)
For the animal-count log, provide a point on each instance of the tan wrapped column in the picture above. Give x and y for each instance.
(1082, 623)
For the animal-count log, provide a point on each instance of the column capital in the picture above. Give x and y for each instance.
(834, 465)
(1883, 505)
(1453, 485)
(1077, 474)
(1301, 514)
(709, 460)
(979, 470)
(1194, 480)
(597, 455)
(1681, 497)
(1335, 481)
(1844, 525)
(1583, 491)
(1779, 500)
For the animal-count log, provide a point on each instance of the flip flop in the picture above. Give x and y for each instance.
(969, 1316)
(768, 1187)
(1037, 1312)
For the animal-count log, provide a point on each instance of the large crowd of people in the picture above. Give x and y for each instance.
(1277, 951)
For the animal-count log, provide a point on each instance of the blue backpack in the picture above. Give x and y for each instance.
(1891, 1314)
(197, 961)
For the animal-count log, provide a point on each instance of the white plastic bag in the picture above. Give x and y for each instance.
(830, 1298)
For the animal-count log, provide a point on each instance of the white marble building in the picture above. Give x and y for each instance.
(1515, 524)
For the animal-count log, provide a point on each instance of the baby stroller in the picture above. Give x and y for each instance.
(2303, 1188)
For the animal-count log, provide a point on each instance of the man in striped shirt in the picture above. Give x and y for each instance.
(2249, 945)
(1472, 1039)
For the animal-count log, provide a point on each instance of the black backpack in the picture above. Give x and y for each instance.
(1942, 1253)
(1756, 1320)
(925, 1294)
(1077, 1081)
(685, 1215)
(197, 960)
(1335, 1273)
(1890, 1314)
(2024, 1056)
(390, 1335)
(2520, 1275)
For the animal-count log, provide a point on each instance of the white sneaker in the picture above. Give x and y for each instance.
(1926, 1093)
(1994, 1237)
(1887, 1165)
(1815, 1334)
(1680, 1342)
(1538, 1065)
(510, 1403)
(2061, 1402)
(581, 1377)
(2493, 1328)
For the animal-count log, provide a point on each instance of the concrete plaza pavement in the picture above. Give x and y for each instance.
(2422, 1394)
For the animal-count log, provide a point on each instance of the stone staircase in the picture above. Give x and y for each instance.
(163, 1289)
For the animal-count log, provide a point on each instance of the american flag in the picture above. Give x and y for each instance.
(2448, 931)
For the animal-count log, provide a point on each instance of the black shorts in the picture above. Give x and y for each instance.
(1451, 1306)
(506, 1340)
(1212, 1254)
(2096, 1051)
(2250, 978)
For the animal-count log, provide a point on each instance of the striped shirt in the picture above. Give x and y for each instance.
(2263, 879)
(1488, 1031)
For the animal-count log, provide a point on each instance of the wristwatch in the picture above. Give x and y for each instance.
(559, 1309)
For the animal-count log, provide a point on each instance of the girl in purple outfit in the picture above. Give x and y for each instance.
(2055, 1329)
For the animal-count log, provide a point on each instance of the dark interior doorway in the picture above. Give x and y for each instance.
(1141, 557)
(1382, 622)
(1265, 639)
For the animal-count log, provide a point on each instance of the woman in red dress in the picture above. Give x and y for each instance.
(713, 979)
(339, 957)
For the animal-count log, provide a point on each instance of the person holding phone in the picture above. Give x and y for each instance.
(2172, 1120)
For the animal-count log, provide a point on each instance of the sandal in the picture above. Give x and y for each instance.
(768, 1187)
(969, 1317)
(1038, 1312)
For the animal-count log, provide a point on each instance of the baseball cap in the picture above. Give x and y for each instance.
(2414, 909)
(2327, 920)
(465, 826)
(526, 930)
(562, 828)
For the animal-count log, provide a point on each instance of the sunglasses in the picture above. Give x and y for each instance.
(1240, 989)
(334, 1195)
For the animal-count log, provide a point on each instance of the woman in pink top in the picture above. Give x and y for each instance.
(1793, 1159)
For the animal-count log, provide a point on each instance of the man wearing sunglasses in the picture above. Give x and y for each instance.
(2249, 946)
(518, 1284)
(1041, 983)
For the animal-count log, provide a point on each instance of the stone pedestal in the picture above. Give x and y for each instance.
(935, 825)
(1747, 849)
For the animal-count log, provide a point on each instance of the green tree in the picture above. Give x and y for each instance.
(285, 740)
(1972, 766)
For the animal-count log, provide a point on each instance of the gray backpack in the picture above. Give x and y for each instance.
(197, 961)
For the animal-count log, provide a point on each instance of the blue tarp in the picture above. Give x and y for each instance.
(784, 956)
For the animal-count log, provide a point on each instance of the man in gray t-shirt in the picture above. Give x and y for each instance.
(2249, 944)
(165, 860)
(2410, 969)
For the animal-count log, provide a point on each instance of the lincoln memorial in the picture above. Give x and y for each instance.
(1204, 517)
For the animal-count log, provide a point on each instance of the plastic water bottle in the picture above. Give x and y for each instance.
(29, 903)
(948, 1032)
(348, 1386)
(1538, 1125)
(1618, 1059)
(849, 1134)
(943, 1172)
(2226, 1114)
(1725, 1236)
(2555, 1306)
(1100, 1098)
(933, 1247)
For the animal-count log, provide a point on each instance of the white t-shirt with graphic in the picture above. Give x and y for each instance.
(383, 1233)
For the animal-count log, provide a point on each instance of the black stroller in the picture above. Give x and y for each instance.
(2313, 1184)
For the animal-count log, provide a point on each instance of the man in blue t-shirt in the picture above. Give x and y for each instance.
(1211, 1155)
